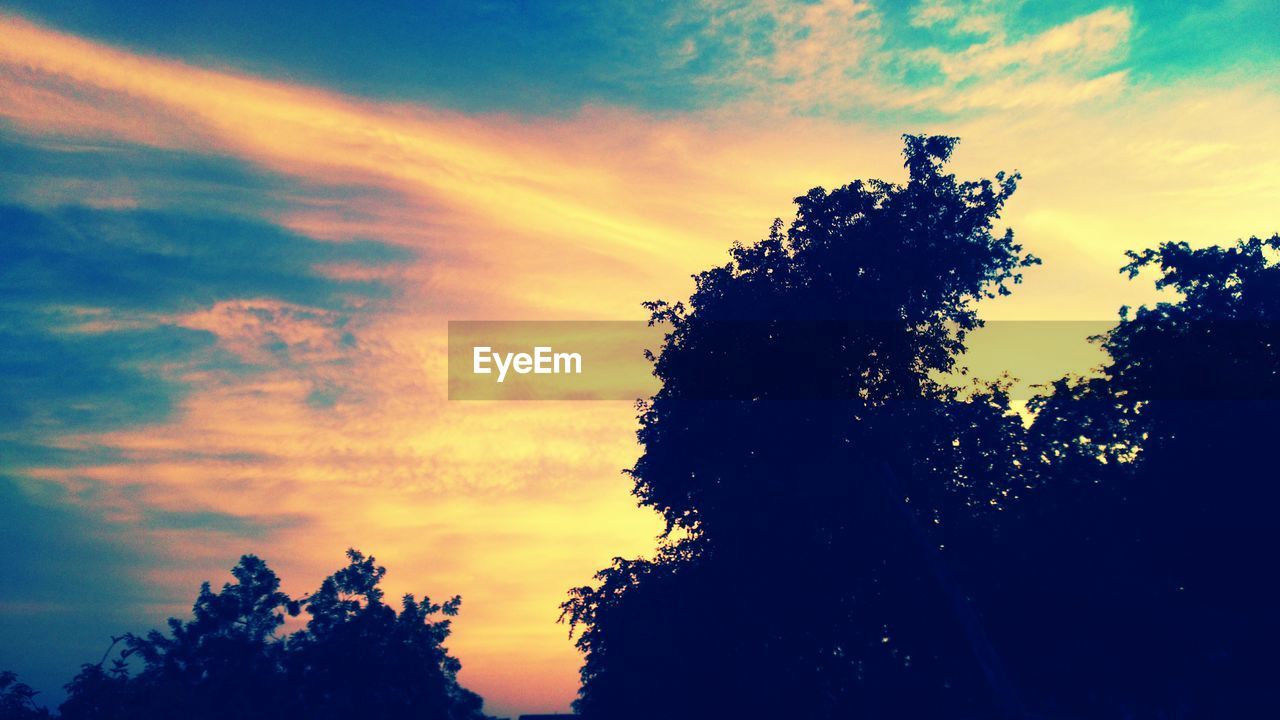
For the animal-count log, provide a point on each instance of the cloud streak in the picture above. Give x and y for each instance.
(839, 56)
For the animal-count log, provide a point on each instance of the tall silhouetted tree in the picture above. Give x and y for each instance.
(357, 657)
(807, 464)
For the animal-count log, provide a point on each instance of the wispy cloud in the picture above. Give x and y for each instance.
(1063, 65)
(842, 56)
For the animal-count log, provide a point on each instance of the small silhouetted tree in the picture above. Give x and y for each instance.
(18, 700)
(809, 465)
(224, 661)
(356, 657)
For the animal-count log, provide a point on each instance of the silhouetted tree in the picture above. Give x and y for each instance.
(807, 464)
(1150, 537)
(848, 538)
(359, 657)
(18, 700)
(356, 657)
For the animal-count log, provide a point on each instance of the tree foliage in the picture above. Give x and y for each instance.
(1151, 530)
(807, 462)
(18, 700)
(357, 656)
(847, 537)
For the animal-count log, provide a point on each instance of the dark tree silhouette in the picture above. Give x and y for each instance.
(1150, 535)
(848, 538)
(18, 700)
(356, 657)
(807, 463)
(359, 657)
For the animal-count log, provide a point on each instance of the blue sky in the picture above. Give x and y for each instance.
(540, 57)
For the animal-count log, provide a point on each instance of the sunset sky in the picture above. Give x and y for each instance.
(231, 239)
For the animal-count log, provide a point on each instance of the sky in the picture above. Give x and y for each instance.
(232, 235)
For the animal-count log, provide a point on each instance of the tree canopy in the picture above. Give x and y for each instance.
(18, 700)
(356, 656)
(804, 457)
(846, 536)
(1150, 529)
